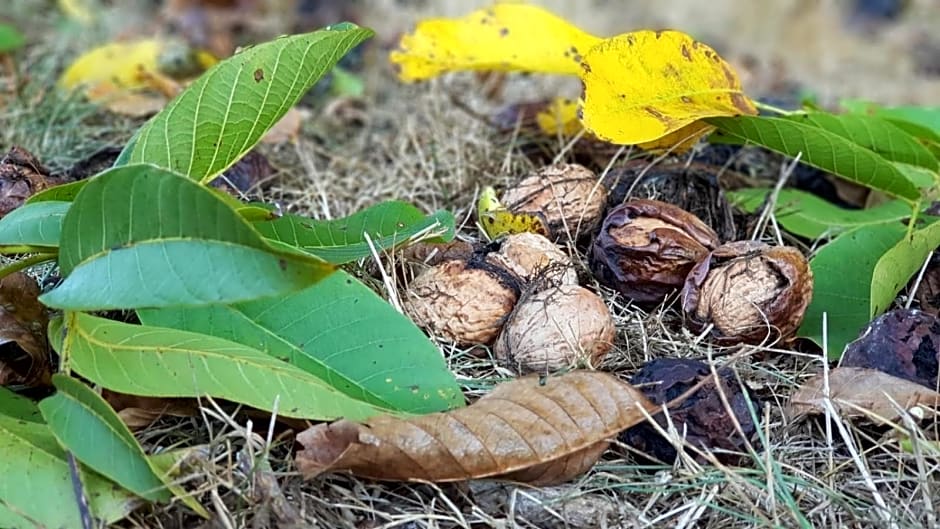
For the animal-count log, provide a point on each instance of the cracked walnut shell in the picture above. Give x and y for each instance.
(749, 291)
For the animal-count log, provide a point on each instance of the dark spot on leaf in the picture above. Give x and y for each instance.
(503, 32)
(671, 71)
(631, 40)
(686, 99)
(586, 67)
(686, 53)
(349, 281)
(414, 388)
(259, 75)
(622, 96)
(655, 113)
(282, 263)
(577, 58)
(741, 103)
(659, 34)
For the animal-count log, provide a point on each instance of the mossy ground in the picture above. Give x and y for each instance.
(413, 143)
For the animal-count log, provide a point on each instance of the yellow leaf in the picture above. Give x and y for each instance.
(504, 37)
(496, 220)
(561, 116)
(121, 64)
(641, 86)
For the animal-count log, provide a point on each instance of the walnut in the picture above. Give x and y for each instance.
(750, 291)
(555, 328)
(568, 196)
(533, 257)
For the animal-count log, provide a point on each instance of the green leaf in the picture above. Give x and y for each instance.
(807, 215)
(221, 116)
(340, 331)
(898, 265)
(18, 407)
(38, 224)
(819, 148)
(62, 193)
(159, 362)
(842, 279)
(344, 240)
(36, 484)
(140, 236)
(87, 426)
(875, 134)
(10, 38)
(928, 117)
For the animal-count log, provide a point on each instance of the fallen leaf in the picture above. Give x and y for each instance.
(249, 175)
(23, 322)
(642, 86)
(854, 390)
(497, 220)
(504, 37)
(287, 128)
(21, 176)
(138, 411)
(533, 430)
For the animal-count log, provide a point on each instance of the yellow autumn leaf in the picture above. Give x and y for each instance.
(496, 220)
(504, 37)
(561, 116)
(120, 64)
(642, 86)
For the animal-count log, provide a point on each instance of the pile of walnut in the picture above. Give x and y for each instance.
(521, 296)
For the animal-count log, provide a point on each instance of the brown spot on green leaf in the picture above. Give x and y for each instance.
(259, 75)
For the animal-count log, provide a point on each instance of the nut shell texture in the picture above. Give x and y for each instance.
(533, 257)
(750, 291)
(568, 196)
(461, 302)
(554, 329)
(646, 248)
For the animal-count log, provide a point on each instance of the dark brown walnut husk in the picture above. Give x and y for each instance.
(556, 328)
(646, 248)
(462, 301)
(692, 187)
(21, 176)
(750, 292)
(702, 418)
(568, 196)
(903, 343)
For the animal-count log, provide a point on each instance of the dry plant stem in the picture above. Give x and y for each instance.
(770, 203)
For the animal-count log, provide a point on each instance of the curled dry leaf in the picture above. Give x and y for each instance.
(139, 412)
(504, 37)
(855, 390)
(674, 81)
(531, 430)
(24, 350)
(21, 176)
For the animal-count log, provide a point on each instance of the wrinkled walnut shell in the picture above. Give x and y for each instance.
(556, 328)
(532, 257)
(568, 196)
(465, 302)
(752, 292)
(646, 248)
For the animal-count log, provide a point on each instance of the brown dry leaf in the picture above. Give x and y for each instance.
(287, 128)
(854, 389)
(531, 430)
(139, 412)
(21, 176)
(23, 322)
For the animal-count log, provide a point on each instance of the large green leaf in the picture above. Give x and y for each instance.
(36, 484)
(18, 407)
(340, 331)
(38, 224)
(819, 148)
(344, 240)
(87, 426)
(928, 117)
(873, 133)
(159, 362)
(218, 118)
(142, 236)
(842, 279)
(807, 215)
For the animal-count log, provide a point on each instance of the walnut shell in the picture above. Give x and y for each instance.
(646, 248)
(556, 328)
(568, 196)
(533, 257)
(465, 302)
(750, 291)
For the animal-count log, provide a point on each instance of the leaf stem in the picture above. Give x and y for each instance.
(775, 110)
(26, 248)
(26, 262)
(913, 221)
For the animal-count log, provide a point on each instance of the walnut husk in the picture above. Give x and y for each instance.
(646, 248)
(568, 196)
(750, 292)
(556, 328)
